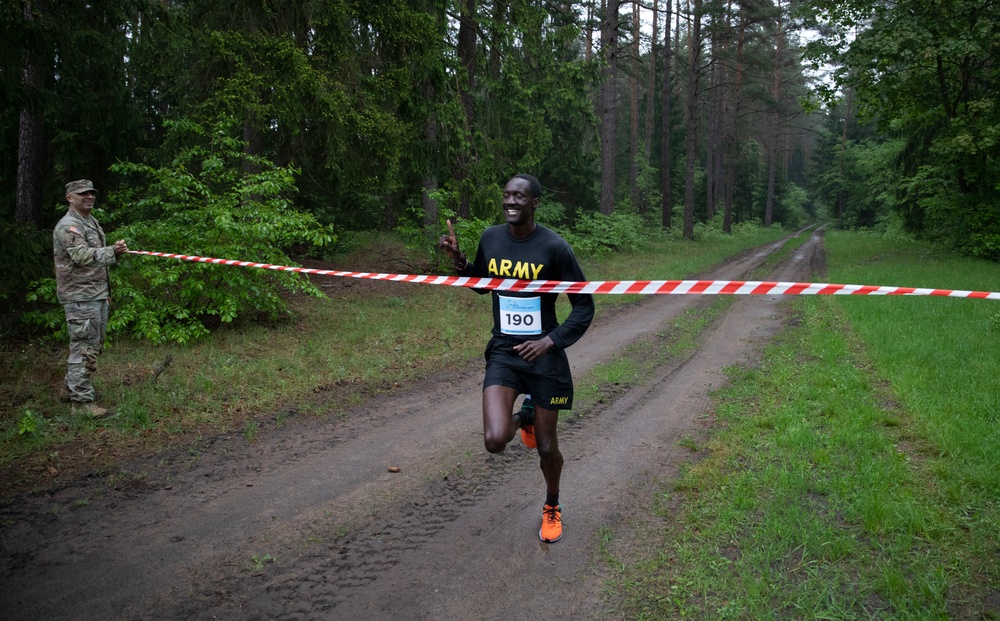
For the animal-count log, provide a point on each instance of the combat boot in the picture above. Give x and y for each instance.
(91, 409)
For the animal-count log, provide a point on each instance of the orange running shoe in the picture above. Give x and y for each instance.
(551, 530)
(527, 415)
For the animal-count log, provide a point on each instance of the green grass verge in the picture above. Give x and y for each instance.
(853, 475)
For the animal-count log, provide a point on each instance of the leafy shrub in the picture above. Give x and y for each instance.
(711, 230)
(793, 206)
(468, 230)
(551, 214)
(747, 228)
(47, 314)
(598, 233)
(23, 245)
(204, 202)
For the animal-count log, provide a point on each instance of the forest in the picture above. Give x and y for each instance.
(271, 130)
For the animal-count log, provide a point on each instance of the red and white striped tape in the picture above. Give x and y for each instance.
(609, 287)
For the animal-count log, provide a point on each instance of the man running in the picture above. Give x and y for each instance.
(526, 353)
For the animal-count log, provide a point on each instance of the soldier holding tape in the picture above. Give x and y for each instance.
(82, 260)
(526, 353)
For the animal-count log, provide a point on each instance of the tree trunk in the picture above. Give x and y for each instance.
(495, 59)
(30, 167)
(609, 106)
(691, 117)
(650, 96)
(772, 157)
(666, 156)
(429, 183)
(771, 173)
(732, 138)
(30, 144)
(710, 134)
(467, 58)
(253, 140)
(633, 179)
(842, 190)
(588, 53)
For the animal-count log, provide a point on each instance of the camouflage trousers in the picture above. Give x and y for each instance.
(88, 324)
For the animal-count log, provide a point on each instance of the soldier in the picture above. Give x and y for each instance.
(82, 260)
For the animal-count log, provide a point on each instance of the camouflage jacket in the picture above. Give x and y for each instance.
(82, 259)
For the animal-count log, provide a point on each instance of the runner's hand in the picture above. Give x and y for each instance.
(533, 350)
(449, 243)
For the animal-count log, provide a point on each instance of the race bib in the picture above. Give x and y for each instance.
(520, 316)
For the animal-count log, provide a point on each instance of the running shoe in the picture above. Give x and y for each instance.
(527, 414)
(551, 530)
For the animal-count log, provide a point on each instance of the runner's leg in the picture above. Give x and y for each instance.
(498, 426)
(551, 460)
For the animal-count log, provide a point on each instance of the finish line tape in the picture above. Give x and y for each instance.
(608, 287)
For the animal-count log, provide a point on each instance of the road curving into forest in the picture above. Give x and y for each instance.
(308, 522)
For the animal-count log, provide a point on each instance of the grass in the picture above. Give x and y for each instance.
(853, 474)
(637, 362)
(325, 357)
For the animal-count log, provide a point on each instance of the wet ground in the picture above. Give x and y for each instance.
(308, 522)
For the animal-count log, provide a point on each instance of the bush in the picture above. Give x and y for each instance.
(203, 203)
(597, 233)
(27, 253)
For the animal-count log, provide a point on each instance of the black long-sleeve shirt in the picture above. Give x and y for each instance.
(543, 255)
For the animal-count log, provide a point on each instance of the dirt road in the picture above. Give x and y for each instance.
(309, 523)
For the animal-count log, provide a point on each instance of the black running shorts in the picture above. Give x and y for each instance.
(548, 379)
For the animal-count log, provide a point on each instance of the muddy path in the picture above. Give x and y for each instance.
(308, 522)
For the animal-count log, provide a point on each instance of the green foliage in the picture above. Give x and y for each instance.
(552, 214)
(648, 181)
(925, 74)
(25, 250)
(952, 195)
(258, 562)
(46, 313)
(870, 186)
(793, 206)
(711, 231)
(27, 253)
(597, 233)
(468, 230)
(204, 203)
(30, 423)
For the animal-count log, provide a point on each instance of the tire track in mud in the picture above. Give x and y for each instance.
(451, 536)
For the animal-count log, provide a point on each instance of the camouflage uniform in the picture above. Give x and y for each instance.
(82, 259)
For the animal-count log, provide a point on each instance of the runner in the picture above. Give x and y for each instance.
(526, 353)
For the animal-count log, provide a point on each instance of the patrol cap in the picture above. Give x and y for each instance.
(80, 186)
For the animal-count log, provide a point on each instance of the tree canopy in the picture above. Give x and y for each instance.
(344, 116)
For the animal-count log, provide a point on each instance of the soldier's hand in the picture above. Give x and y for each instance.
(121, 247)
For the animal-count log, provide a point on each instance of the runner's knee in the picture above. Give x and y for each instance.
(547, 448)
(494, 443)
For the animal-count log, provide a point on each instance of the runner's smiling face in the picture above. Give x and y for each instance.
(518, 203)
